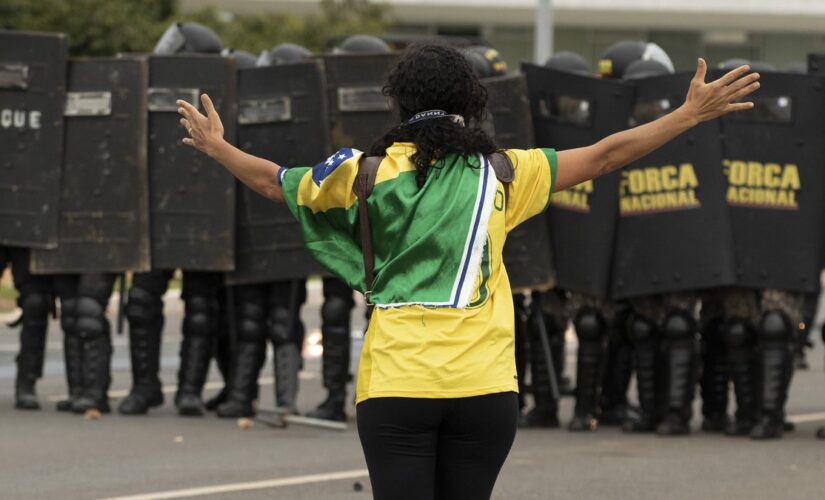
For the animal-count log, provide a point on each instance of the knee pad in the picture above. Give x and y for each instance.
(775, 325)
(336, 312)
(143, 305)
(91, 321)
(35, 305)
(249, 330)
(589, 325)
(640, 330)
(199, 318)
(278, 326)
(68, 316)
(738, 334)
(679, 326)
(252, 311)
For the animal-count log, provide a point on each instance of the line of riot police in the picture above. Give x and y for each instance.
(679, 268)
(698, 264)
(98, 184)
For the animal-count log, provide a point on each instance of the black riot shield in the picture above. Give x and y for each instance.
(192, 198)
(32, 87)
(104, 216)
(774, 158)
(571, 111)
(359, 113)
(282, 117)
(527, 255)
(674, 230)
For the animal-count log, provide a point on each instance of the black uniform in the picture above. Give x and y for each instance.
(87, 341)
(35, 300)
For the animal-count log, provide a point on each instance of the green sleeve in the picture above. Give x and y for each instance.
(553, 161)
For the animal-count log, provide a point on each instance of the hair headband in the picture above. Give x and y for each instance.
(433, 114)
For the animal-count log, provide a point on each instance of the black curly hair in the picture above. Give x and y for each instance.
(433, 76)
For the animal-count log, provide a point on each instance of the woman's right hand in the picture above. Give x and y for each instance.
(205, 132)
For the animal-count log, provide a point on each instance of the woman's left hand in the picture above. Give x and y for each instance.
(205, 132)
(706, 101)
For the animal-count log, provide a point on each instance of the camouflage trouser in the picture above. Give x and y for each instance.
(577, 301)
(750, 304)
(554, 303)
(657, 307)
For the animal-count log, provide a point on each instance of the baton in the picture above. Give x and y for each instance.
(121, 306)
(535, 305)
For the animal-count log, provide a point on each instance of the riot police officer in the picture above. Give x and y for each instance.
(87, 339)
(200, 294)
(663, 323)
(266, 310)
(35, 301)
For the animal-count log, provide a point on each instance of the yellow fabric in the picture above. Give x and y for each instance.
(423, 352)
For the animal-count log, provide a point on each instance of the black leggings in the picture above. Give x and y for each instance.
(424, 449)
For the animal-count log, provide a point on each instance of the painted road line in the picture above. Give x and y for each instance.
(252, 485)
(807, 417)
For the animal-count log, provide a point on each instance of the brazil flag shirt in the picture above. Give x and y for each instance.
(443, 325)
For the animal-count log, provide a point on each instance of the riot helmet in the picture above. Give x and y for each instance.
(285, 53)
(734, 63)
(760, 66)
(646, 68)
(569, 62)
(799, 68)
(497, 64)
(362, 44)
(645, 111)
(479, 64)
(243, 59)
(188, 38)
(620, 55)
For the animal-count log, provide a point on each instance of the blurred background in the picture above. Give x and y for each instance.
(765, 30)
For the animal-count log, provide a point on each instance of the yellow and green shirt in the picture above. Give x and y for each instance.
(443, 323)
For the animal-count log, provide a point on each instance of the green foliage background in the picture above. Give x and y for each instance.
(106, 27)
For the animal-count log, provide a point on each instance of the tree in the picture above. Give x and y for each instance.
(106, 27)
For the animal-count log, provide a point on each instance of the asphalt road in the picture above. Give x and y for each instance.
(50, 455)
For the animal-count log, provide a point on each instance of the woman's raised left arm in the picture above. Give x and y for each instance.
(705, 101)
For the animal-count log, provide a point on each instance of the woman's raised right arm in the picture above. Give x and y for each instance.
(206, 135)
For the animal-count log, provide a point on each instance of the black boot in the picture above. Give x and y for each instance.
(335, 374)
(73, 359)
(545, 410)
(222, 352)
(776, 364)
(614, 408)
(590, 329)
(335, 332)
(643, 335)
(556, 329)
(240, 386)
(97, 352)
(286, 334)
(195, 353)
(250, 352)
(714, 381)
(680, 349)
(194, 366)
(35, 306)
(145, 313)
(739, 342)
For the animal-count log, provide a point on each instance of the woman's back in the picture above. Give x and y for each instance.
(443, 324)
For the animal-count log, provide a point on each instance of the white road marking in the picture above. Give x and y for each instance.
(212, 386)
(252, 485)
(807, 417)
